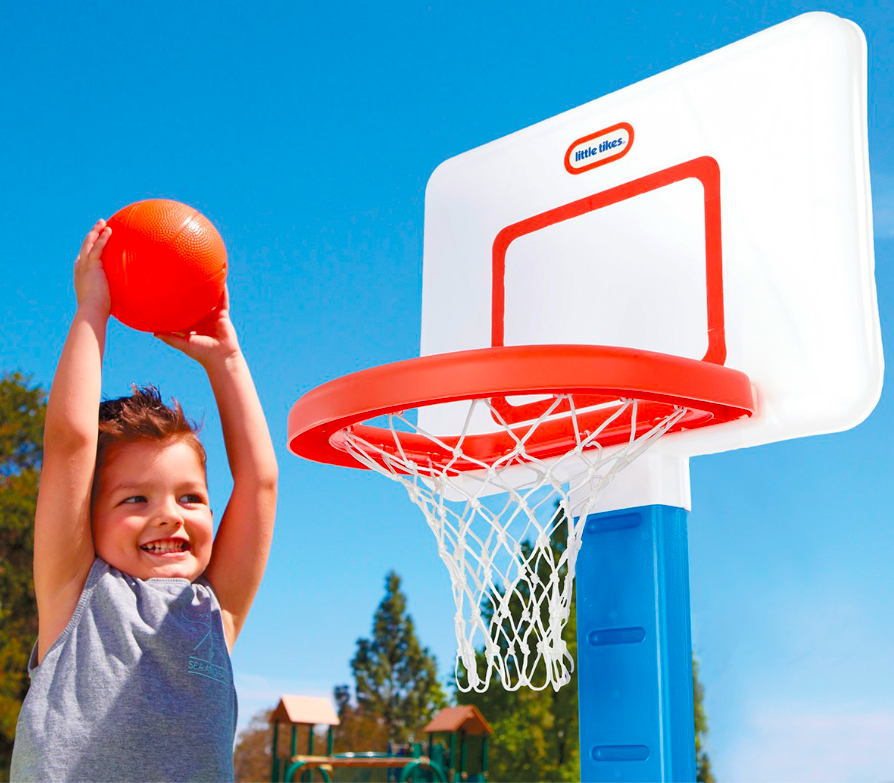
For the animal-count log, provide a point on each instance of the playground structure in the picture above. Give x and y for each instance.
(441, 763)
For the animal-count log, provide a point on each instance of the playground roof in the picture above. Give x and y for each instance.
(465, 718)
(305, 710)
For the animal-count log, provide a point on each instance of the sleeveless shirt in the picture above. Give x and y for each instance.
(138, 687)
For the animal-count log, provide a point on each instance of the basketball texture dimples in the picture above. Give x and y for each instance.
(166, 265)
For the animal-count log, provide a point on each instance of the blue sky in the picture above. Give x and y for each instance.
(307, 132)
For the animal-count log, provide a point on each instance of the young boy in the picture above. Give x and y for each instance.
(131, 675)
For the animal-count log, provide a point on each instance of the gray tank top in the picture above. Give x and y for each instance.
(138, 687)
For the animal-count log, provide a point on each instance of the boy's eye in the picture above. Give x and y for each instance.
(192, 499)
(134, 499)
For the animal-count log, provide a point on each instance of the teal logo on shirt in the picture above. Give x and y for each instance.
(208, 669)
(209, 656)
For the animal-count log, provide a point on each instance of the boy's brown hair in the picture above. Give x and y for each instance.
(143, 416)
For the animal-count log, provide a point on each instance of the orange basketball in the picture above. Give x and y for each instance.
(166, 265)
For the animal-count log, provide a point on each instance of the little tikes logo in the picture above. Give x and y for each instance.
(599, 148)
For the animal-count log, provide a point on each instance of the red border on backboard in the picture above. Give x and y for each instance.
(706, 170)
(626, 126)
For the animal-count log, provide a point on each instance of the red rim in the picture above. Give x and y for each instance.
(591, 373)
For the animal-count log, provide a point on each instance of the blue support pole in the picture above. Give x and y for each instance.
(634, 652)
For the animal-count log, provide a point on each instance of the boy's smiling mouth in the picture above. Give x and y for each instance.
(166, 546)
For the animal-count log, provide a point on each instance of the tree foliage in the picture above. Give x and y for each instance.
(396, 684)
(22, 411)
(702, 761)
(252, 757)
(357, 731)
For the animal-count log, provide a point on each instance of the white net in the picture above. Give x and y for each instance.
(509, 532)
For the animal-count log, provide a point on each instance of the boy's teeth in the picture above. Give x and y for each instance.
(164, 548)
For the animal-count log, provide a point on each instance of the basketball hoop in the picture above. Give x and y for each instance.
(519, 478)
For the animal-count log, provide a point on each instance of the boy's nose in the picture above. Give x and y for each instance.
(169, 514)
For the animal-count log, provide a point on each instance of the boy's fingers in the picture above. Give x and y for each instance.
(88, 243)
(170, 340)
(91, 238)
(100, 243)
(179, 340)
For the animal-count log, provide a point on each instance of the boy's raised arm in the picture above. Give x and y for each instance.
(245, 532)
(63, 540)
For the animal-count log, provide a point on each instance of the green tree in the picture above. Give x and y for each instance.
(396, 682)
(702, 761)
(22, 410)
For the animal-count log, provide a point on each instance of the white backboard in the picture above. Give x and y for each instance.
(718, 211)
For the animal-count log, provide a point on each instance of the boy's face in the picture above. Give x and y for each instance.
(151, 514)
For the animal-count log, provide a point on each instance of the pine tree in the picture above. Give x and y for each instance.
(22, 410)
(396, 683)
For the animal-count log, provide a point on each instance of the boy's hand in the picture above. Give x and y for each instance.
(211, 340)
(91, 285)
